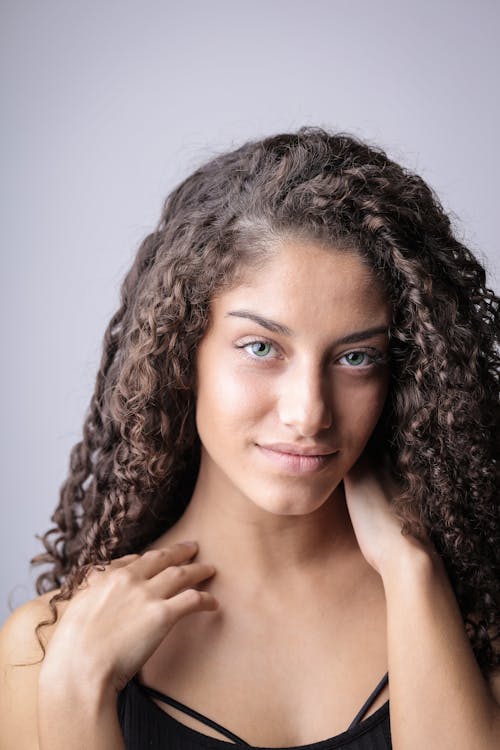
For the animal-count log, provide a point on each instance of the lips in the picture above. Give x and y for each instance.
(295, 463)
(296, 450)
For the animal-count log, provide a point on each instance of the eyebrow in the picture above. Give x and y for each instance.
(282, 330)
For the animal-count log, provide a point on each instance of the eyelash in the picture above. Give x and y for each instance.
(377, 358)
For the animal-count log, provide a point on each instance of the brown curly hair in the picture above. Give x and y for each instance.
(133, 473)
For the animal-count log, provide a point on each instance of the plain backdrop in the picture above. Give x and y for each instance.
(108, 104)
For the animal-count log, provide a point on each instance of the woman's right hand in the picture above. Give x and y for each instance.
(119, 616)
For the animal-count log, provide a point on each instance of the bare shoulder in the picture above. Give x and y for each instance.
(20, 662)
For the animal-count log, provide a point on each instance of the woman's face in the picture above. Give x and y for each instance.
(293, 355)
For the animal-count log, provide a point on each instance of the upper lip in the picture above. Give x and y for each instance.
(314, 450)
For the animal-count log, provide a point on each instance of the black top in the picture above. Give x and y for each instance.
(145, 725)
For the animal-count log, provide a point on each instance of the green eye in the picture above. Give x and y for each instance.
(258, 349)
(264, 345)
(357, 357)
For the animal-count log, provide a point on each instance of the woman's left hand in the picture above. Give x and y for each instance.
(368, 492)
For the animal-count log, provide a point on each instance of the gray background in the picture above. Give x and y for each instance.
(107, 104)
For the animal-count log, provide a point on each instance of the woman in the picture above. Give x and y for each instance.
(303, 379)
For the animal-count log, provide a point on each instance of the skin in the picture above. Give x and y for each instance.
(304, 390)
(286, 555)
(305, 580)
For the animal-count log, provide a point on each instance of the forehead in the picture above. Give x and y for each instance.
(304, 284)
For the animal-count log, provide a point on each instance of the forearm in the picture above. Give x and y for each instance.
(439, 698)
(77, 715)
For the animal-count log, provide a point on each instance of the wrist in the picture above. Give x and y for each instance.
(413, 559)
(76, 712)
(74, 682)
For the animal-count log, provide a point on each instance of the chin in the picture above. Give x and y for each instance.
(286, 504)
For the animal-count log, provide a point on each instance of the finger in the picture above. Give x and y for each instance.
(153, 561)
(175, 578)
(188, 601)
(115, 562)
(103, 566)
(119, 562)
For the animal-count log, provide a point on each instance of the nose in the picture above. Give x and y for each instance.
(304, 401)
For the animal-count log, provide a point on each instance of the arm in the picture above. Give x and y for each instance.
(438, 696)
(89, 659)
(38, 713)
(76, 714)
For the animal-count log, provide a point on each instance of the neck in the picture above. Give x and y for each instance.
(250, 545)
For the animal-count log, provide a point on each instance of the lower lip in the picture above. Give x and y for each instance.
(295, 464)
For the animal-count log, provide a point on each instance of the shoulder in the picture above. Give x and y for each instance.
(17, 635)
(20, 662)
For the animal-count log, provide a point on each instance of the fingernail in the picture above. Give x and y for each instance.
(191, 543)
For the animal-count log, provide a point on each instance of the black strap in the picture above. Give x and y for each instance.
(383, 682)
(182, 707)
(190, 711)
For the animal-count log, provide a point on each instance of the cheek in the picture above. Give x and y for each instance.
(228, 398)
(358, 411)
